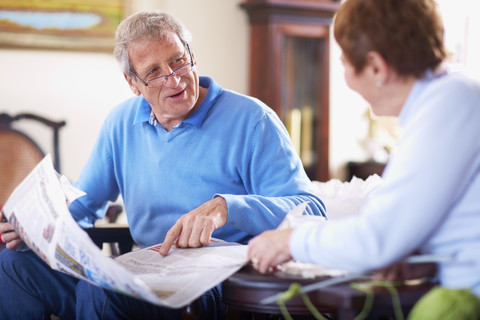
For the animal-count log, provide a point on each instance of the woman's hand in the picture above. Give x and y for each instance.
(270, 249)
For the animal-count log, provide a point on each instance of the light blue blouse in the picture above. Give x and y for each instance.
(233, 146)
(430, 199)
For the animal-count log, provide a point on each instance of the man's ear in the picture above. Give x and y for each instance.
(132, 84)
(378, 68)
(193, 58)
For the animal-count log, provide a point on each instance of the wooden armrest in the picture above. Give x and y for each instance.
(112, 234)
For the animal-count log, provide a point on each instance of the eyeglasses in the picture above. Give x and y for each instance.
(160, 81)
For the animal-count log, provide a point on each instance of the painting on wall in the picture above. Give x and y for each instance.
(61, 24)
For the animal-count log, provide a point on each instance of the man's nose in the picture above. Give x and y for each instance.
(172, 80)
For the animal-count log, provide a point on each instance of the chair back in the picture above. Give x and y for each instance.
(19, 153)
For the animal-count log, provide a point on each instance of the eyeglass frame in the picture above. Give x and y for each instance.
(167, 76)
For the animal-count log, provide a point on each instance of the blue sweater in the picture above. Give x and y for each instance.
(232, 146)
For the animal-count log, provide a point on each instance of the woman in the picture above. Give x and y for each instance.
(392, 52)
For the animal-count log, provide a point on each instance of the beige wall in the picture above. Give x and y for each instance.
(83, 87)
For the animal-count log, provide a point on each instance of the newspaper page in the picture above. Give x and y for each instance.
(38, 209)
(185, 272)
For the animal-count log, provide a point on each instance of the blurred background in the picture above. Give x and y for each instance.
(81, 85)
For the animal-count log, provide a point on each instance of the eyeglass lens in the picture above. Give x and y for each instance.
(180, 72)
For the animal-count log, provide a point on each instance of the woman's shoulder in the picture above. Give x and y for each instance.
(452, 92)
(458, 84)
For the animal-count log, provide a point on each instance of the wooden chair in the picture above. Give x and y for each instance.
(19, 154)
(118, 237)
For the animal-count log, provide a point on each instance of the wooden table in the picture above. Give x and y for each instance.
(243, 291)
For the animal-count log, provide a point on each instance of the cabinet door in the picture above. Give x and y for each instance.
(290, 72)
(304, 103)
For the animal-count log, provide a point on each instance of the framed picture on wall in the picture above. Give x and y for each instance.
(61, 24)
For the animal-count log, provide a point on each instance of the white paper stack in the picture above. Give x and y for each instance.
(343, 199)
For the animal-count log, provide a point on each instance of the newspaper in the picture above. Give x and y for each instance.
(38, 209)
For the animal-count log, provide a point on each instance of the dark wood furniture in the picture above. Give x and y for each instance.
(19, 153)
(244, 290)
(289, 71)
(348, 302)
(364, 169)
(118, 237)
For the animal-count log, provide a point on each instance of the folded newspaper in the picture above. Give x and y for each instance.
(38, 209)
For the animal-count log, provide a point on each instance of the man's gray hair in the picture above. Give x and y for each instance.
(149, 25)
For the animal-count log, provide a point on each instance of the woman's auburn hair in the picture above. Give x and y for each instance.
(408, 34)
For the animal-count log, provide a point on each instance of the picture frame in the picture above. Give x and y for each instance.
(84, 25)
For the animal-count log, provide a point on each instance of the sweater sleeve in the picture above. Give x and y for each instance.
(275, 180)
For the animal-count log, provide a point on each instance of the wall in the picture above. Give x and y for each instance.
(83, 87)
(77, 87)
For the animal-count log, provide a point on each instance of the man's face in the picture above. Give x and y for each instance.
(150, 58)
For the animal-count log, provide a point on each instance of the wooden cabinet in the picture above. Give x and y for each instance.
(365, 169)
(289, 71)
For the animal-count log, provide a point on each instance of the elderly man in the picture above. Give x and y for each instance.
(190, 159)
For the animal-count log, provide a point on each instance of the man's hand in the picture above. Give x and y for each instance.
(194, 229)
(270, 249)
(9, 236)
